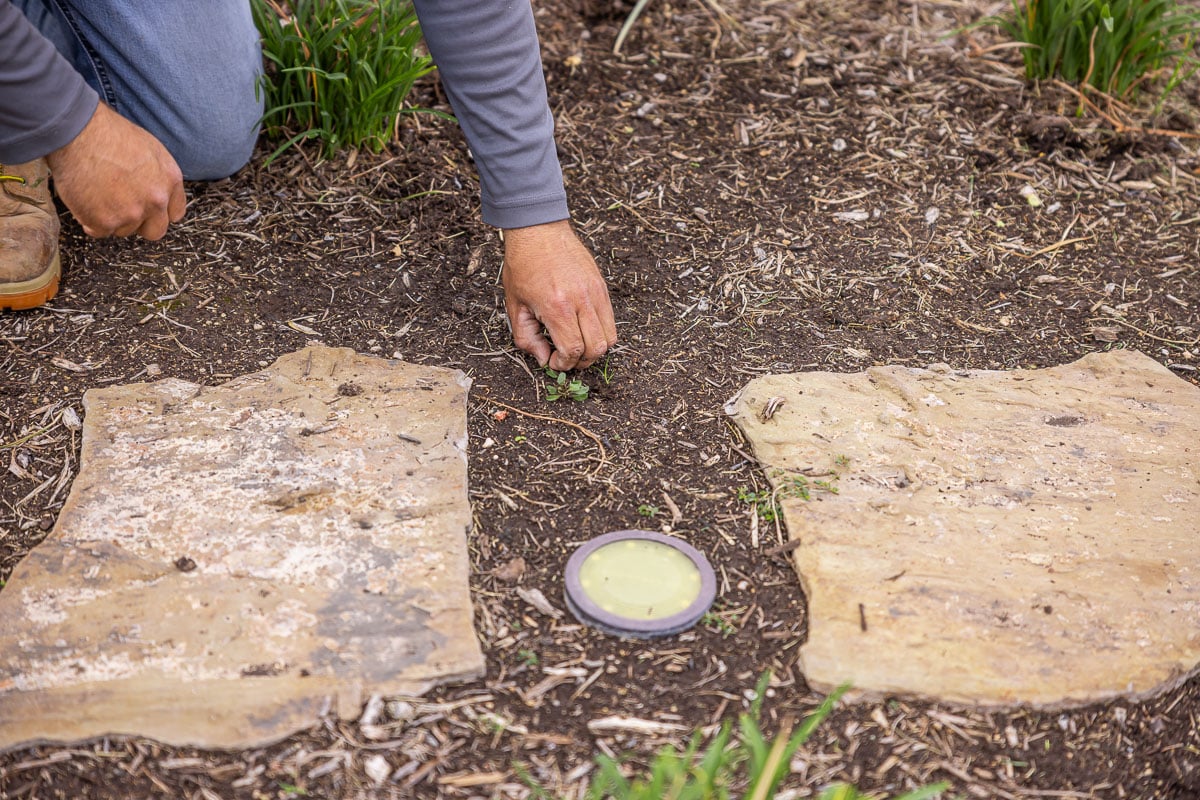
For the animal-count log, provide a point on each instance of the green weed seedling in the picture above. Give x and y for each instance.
(648, 511)
(561, 385)
(766, 502)
(761, 501)
(716, 622)
(605, 370)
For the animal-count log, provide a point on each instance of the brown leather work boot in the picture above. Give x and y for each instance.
(29, 263)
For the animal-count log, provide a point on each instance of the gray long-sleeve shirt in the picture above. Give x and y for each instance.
(44, 102)
(486, 52)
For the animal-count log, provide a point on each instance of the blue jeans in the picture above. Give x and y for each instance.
(185, 70)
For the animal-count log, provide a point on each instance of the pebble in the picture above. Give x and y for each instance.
(377, 768)
(401, 710)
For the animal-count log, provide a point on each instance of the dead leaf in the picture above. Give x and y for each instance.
(538, 600)
(798, 58)
(511, 571)
(69, 366)
(465, 780)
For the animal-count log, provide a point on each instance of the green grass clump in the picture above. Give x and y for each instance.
(337, 70)
(1116, 47)
(749, 762)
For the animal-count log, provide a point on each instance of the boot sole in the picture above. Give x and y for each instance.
(32, 293)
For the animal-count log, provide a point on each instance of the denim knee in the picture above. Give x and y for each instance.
(187, 72)
(214, 140)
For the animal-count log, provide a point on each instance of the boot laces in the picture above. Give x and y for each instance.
(6, 179)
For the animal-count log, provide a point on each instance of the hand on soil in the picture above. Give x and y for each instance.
(551, 279)
(117, 179)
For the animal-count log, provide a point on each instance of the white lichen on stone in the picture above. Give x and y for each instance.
(231, 557)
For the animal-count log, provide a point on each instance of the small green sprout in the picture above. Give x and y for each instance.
(605, 370)
(766, 501)
(560, 386)
(762, 502)
(528, 657)
(716, 622)
(648, 511)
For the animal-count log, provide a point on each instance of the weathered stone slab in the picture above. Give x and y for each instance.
(235, 561)
(997, 538)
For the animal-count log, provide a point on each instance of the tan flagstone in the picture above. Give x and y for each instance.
(996, 538)
(235, 561)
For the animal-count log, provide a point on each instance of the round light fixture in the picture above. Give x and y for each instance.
(639, 583)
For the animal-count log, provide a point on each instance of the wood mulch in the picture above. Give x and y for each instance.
(794, 186)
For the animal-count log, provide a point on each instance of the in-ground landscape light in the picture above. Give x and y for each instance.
(639, 584)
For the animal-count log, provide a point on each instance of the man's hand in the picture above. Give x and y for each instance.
(117, 179)
(551, 279)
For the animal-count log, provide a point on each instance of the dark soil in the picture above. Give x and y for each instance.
(708, 166)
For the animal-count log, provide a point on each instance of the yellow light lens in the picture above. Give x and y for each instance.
(640, 579)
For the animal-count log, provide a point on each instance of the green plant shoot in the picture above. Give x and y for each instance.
(338, 71)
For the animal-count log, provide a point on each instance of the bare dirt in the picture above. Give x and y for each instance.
(799, 186)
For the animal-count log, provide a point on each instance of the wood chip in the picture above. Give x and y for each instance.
(538, 600)
(70, 366)
(510, 571)
(296, 326)
(646, 727)
(463, 780)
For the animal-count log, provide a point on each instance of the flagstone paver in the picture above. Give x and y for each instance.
(996, 538)
(235, 561)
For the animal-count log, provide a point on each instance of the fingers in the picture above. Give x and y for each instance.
(161, 212)
(150, 219)
(579, 340)
(580, 343)
(117, 179)
(154, 228)
(527, 333)
(551, 279)
(177, 205)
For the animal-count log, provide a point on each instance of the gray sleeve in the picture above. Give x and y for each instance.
(44, 102)
(488, 57)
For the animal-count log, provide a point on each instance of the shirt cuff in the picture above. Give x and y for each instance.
(57, 132)
(536, 211)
